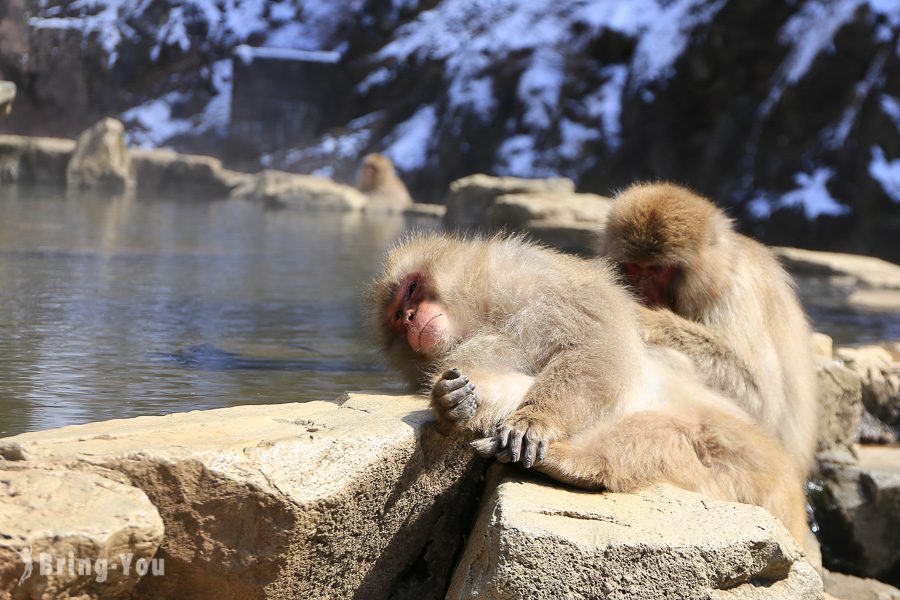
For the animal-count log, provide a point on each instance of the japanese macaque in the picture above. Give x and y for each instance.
(541, 356)
(379, 181)
(724, 301)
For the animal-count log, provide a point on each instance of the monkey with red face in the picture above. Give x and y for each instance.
(723, 300)
(541, 354)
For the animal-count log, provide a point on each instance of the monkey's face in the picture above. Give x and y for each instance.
(414, 317)
(367, 176)
(652, 283)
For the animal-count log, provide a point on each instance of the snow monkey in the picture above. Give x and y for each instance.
(723, 300)
(540, 355)
(379, 181)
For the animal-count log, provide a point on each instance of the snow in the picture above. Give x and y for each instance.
(518, 158)
(151, 124)
(886, 173)
(891, 107)
(811, 194)
(605, 104)
(574, 135)
(540, 86)
(247, 54)
(409, 144)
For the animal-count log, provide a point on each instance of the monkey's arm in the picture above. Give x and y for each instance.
(713, 359)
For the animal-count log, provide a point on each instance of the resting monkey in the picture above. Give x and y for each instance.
(541, 353)
(731, 307)
(379, 181)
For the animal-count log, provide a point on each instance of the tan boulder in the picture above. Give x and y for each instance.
(34, 160)
(101, 161)
(314, 500)
(848, 587)
(471, 197)
(305, 192)
(162, 172)
(823, 345)
(536, 540)
(7, 95)
(513, 211)
(104, 532)
(427, 211)
(840, 409)
(878, 366)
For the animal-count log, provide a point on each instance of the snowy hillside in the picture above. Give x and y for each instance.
(776, 108)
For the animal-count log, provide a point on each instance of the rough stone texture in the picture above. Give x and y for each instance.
(34, 160)
(63, 513)
(848, 587)
(315, 500)
(418, 209)
(569, 236)
(823, 345)
(858, 509)
(7, 95)
(471, 197)
(879, 368)
(164, 172)
(288, 190)
(101, 161)
(840, 409)
(534, 540)
(860, 282)
(514, 211)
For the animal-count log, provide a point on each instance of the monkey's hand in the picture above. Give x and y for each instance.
(524, 435)
(453, 398)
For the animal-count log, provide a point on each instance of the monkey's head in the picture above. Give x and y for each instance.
(375, 170)
(412, 302)
(660, 234)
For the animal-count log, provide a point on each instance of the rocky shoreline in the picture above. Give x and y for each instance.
(365, 497)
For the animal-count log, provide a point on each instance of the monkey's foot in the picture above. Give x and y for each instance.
(454, 398)
(526, 436)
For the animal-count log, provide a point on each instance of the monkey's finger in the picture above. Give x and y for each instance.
(542, 450)
(515, 445)
(454, 398)
(445, 386)
(503, 434)
(504, 456)
(463, 410)
(487, 447)
(529, 451)
(452, 374)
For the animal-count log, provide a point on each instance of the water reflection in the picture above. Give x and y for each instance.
(114, 308)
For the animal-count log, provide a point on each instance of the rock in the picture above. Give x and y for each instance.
(513, 211)
(568, 236)
(7, 95)
(471, 197)
(35, 160)
(858, 510)
(823, 346)
(535, 540)
(101, 161)
(433, 211)
(317, 500)
(305, 192)
(879, 368)
(860, 282)
(50, 515)
(167, 173)
(840, 409)
(848, 587)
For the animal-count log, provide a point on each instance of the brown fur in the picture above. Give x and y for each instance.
(553, 346)
(734, 309)
(379, 181)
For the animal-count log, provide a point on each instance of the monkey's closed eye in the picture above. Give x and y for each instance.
(411, 289)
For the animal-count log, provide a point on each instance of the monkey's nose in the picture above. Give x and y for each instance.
(409, 315)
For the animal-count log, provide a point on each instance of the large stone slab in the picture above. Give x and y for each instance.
(7, 95)
(162, 172)
(35, 160)
(513, 211)
(305, 192)
(471, 197)
(840, 409)
(535, 540)
(848, 587)
(107, 530)
(318, 500)
(858, 509)
(878, 367)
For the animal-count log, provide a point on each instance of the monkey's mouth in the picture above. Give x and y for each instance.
(423, 330)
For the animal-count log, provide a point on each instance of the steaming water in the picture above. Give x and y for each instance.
(113, 308)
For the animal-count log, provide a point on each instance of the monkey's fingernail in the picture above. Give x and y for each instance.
(527, 462)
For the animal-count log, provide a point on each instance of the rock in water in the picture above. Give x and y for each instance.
(7, 95)
(101, 161)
